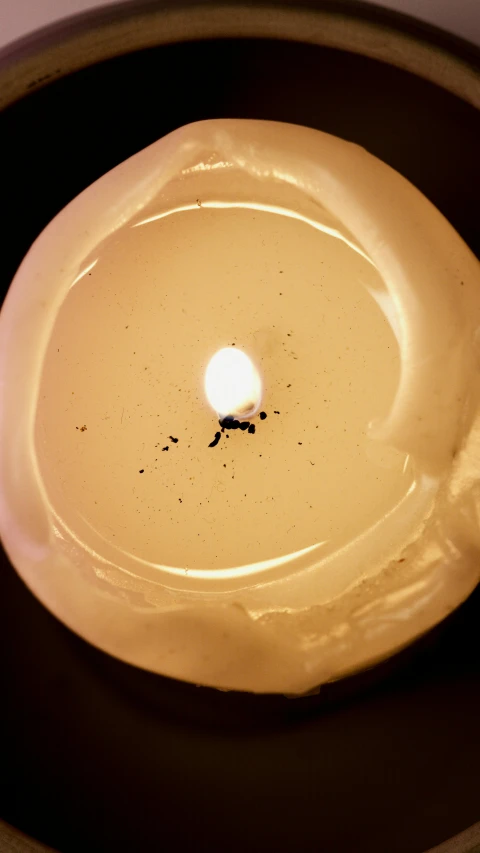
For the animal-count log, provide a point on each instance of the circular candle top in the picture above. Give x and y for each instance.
(227, 268)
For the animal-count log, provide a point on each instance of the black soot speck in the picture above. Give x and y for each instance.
(215, 441)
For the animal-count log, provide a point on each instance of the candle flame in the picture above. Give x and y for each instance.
(232, 384)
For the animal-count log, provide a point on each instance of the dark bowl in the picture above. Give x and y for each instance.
(97, 755)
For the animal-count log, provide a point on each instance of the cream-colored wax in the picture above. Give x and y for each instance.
(126, 360)
(272, 560)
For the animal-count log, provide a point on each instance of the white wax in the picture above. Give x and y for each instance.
(331, 533)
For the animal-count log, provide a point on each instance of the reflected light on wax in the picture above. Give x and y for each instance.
(232, 384)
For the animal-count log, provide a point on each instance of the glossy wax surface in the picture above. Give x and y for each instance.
(123, 379)
(302, 544)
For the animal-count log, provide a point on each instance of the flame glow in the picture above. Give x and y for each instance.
(232, 384)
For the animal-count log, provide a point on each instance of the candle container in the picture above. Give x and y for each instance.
(128, 448)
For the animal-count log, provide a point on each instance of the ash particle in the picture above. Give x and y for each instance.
(215, 441)
(229, 422)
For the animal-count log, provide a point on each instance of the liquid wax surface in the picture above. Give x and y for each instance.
(123, 378)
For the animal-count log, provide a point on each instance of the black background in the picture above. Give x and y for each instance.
(98, 756)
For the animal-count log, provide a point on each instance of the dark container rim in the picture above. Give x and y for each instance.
(352, 25)
(87, 38)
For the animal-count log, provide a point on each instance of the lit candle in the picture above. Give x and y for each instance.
(239, 410)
